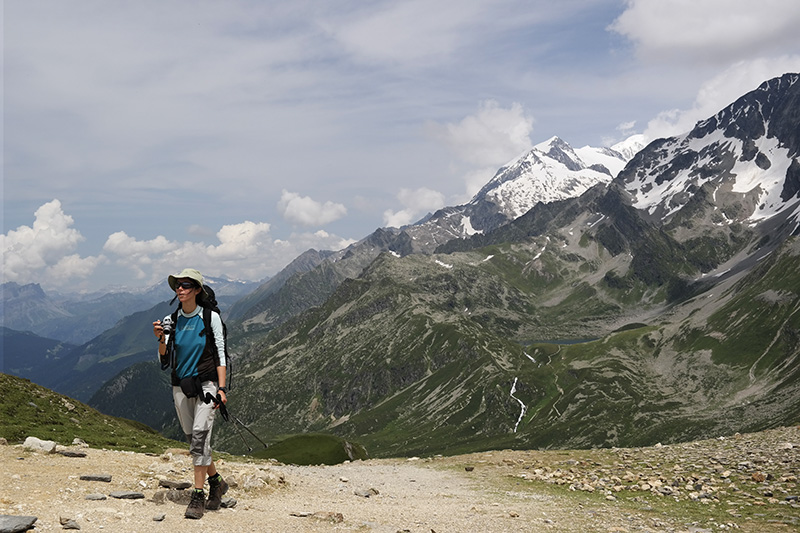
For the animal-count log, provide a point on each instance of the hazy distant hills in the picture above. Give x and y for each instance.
(73, 319)
(80, 370)
(77, 318)
(26, 354)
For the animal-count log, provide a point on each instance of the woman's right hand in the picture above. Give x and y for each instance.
(158, 330)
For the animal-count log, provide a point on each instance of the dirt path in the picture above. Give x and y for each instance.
(412, 495)
(487, 492)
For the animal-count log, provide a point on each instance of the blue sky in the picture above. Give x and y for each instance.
(143, 137)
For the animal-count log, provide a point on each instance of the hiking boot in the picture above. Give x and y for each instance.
(215, 492)
(196, 505)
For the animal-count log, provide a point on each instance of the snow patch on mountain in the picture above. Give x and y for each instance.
(466, 227)
(653, 191)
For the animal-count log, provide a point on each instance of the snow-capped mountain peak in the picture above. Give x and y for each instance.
(548, 172)
(551, 171)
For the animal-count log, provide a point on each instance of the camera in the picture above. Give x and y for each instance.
(166, 328)
(166, 324)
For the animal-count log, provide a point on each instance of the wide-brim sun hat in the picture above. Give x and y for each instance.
(190, 273)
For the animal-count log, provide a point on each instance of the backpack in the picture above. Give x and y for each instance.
(208, 302)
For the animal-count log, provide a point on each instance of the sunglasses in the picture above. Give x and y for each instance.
(185, 285)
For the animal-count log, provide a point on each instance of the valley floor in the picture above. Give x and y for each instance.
(744, 482)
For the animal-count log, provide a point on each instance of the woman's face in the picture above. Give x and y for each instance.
(187, 290)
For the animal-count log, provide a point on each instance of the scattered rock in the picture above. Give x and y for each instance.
(38, 445)
(159, 517)
(16, 524)
(105, 478)
(177, 485)
(95, 497)
(228, 503)
(469, 468)
(127, 495)
(68, 523)
(71, 453)
(366, 493)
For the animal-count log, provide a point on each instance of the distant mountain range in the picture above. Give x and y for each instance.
(584, 297)
(77, 318)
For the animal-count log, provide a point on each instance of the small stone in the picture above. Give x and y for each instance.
(469, 468)
(177, 485)
(159, 517)
(96, 497)
(228, 503)
(105, 478)
(71, 453)
(366, 493)
(127, 495)
(68, 523)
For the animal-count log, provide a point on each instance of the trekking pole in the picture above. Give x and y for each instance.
(236, 419)
(226, 416)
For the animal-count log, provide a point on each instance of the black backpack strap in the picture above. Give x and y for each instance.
(208, 331)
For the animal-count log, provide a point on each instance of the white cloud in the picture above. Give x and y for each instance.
(245, 251)
(719, 92)
(416, 203)
(715, 31)
(37, 252)
(485, 141)
(308, 212)
(72, 267)
(415, 31)
(492, 136)
(45, 253)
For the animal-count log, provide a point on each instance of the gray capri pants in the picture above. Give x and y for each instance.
(197, 418)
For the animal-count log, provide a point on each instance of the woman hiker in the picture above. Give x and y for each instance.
(197, 371)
